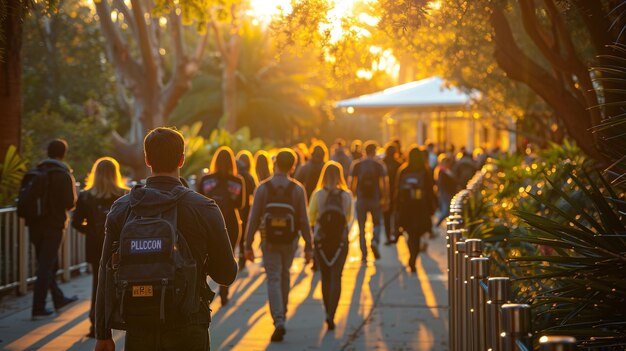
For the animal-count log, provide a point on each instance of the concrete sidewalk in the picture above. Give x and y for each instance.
(382, 307)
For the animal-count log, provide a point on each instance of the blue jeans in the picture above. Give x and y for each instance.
(277, 259)
(47, 242)
(363, 206)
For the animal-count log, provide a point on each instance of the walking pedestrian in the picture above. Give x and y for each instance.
(339, 155)
(370, 184)
(392, 163)
(280, 209)
(446, 187)
(103, 187)
(161, 241)
(330, 212)
(263, 165)
(46, 194)
(227, 189)
(244, 168)
(356, 150)
(464, 168)
(309, 174)
(413, 196)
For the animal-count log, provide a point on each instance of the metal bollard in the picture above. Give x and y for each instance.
(460, 335)
(473, 248)
(478, 285)
(557, 343)
(516, 328)
(453, 224)
(455, 217)
(452, 238)
(499, 290)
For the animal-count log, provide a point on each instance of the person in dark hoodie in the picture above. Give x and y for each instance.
(199, 222)
(309, 173)
(46, 233)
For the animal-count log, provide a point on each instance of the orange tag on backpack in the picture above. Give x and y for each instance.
(142, 291)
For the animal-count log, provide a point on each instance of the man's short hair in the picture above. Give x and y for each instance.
(285, 159)
(163, 148)
(370, 147)
(57, 149)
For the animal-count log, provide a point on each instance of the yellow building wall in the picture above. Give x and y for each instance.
(446, 128)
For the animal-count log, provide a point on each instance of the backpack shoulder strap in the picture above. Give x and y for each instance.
(290, 187)
(271, 189)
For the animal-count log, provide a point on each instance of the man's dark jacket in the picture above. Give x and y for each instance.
(199, 221)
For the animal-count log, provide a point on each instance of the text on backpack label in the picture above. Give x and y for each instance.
(146, 245)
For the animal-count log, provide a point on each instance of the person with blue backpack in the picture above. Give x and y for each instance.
(330, 212)
(161, 242)
(280, 211)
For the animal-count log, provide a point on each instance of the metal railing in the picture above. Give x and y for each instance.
(481, 315)
(17, 255)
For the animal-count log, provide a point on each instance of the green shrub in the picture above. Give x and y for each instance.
(558, 228)
(12, 170)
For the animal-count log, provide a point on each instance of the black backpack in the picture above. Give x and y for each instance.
(223, 191)
(332, 228)
(279, 218)
(32, 201)
(368, 179)
(153, 271)
(411, 188)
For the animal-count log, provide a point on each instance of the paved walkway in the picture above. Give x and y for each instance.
(382, 307)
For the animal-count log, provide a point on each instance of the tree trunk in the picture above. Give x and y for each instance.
(11, 76)
(519, 66)
(229, 99)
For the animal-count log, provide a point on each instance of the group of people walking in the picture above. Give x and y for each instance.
(283, 195)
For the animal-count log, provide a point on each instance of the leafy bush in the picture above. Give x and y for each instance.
(12, 170)
(557, 227)
(577, 280)
(81, 125)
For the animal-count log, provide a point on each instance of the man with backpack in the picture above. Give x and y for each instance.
(280, 210)
(161, 242)
(46, 194)
(370, 183)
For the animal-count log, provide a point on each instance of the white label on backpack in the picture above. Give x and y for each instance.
(145, 245)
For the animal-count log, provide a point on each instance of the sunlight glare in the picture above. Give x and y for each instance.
(265, 9)
(435, 5)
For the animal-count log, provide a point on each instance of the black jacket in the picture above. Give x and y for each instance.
(61, 194)
(199, 221)
(87, 219)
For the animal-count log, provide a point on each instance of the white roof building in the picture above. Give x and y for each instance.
(429, 109)
(426, 93)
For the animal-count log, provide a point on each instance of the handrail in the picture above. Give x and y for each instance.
(17, 260)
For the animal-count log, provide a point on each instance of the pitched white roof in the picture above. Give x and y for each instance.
(422, 93)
